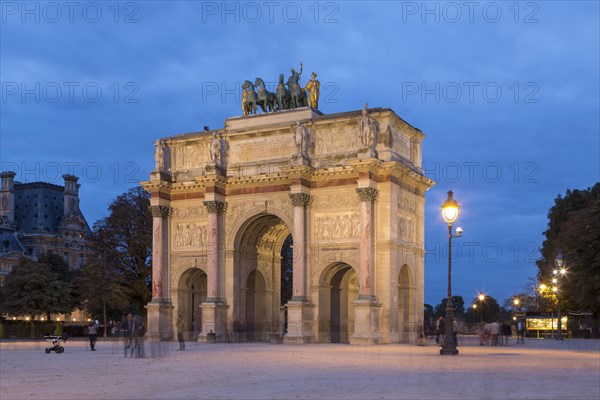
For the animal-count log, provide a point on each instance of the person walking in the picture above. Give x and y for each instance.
(138, 337)
(521, 331)
(180, 329)
(495, 332)
(93, 334)
(127, 333)
(506, 332)
(442, 330)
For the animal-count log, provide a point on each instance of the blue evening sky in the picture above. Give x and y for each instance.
(506, 92)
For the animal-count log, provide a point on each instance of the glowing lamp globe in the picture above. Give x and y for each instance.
(450, 209)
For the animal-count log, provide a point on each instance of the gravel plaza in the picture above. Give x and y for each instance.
(544, 369)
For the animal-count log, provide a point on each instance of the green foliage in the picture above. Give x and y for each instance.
(486, 311)
(574, 228)
(458, 307)
(103, 290)
(122, 243)
(34, 288)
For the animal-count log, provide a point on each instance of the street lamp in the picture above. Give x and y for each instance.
(560, 271)
(481, 298)
(450, 214)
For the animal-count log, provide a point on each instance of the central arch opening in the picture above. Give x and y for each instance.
(262, 278)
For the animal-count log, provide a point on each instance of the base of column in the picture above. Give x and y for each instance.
(366, 322)
(214, 322)
(300, 319)
(160, 320)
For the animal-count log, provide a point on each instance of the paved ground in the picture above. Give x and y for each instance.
(537, 370)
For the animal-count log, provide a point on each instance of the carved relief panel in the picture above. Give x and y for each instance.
(338, 226)
(186, 228)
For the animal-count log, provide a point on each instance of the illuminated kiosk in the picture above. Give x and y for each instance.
(345, 191)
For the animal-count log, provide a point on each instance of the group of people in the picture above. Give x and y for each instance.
(497, 333)
(132, 332)
(440, 331)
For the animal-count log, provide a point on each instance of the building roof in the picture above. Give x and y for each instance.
(9, 242)
(38, 207)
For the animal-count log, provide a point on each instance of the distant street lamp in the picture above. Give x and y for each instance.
(559, 272)
(481, 298)
(450, 214)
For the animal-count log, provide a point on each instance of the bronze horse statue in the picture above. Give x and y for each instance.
(266, 99)
(297, 93)
(282, 95)
(249, 98)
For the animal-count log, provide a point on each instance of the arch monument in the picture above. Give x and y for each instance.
(295, 226)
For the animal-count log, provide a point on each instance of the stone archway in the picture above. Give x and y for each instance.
(405, 305)
(337, 294)
(191, 292)
(256, 302)
(257, 277)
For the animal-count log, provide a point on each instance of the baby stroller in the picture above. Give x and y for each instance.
(56, 347)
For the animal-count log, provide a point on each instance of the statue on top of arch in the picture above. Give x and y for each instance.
(287, 96)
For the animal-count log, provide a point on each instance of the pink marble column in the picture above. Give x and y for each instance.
(214, 208)
(160, 215)
(300, 201)
(365, 269)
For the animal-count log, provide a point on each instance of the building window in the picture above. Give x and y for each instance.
(80, 260)
(66, 257)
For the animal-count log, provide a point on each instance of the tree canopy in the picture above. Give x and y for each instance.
(35, 288)
(122, 243)
(458, 307)
(574, 229)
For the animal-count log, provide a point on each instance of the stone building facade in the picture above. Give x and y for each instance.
(38, 218)
(349, 190)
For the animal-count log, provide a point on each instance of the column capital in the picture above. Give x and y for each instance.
(215, 207)
(160, 211)
(367, 194)
(301, 199)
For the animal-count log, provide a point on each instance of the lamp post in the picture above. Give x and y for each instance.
(450, 214)
(560, 271)
(481, 298)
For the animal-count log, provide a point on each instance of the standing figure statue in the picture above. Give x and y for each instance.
(298, 95)
(159, 155)
(215, 150)
(313, 87)
(300, 139)
(368, 128)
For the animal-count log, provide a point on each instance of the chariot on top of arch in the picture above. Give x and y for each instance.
(287, 96)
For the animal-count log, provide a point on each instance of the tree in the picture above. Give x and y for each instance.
(103, 291)
(123, 243)
(458, 307)
(33, 288)
(486, 311)
(574, 229)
